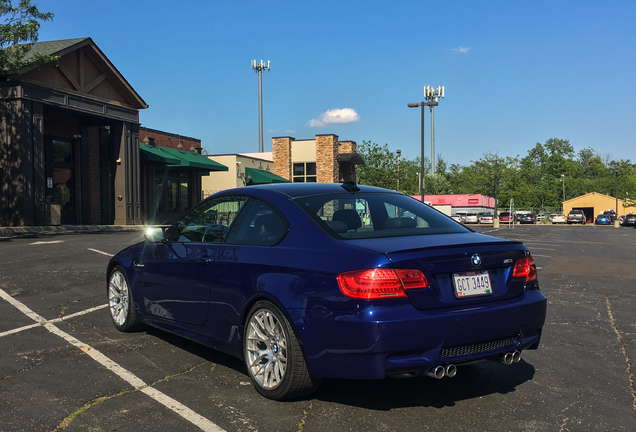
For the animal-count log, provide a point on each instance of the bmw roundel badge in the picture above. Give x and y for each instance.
(476, 260)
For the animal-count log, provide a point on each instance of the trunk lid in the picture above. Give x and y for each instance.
(440, 257)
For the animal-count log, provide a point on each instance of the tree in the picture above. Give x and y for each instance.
(18, 32)
(380, 166)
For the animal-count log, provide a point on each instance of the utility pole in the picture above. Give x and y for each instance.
(258, 67)
(431, 96)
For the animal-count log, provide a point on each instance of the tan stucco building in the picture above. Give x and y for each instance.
(244, 169)
(595, 203)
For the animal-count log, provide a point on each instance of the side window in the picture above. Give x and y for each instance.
(258, 224)
(209, 222)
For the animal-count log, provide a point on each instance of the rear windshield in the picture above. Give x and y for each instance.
(375, 215)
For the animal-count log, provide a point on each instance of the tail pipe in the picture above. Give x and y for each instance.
(511, 357)
(441, 371)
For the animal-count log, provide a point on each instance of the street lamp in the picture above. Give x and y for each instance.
(496, 161)
(422, 105)
(616, 208)
(563, 184)
(399, 153)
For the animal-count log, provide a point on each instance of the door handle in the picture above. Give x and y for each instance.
(204, 261)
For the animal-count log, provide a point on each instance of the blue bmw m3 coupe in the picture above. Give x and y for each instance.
(310, 281)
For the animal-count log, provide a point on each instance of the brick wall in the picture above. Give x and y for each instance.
(327, 149)
(281, 153)
(326, 152)
(95, 177)
(165, 139)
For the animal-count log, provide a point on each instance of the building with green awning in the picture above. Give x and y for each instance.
(255, 176)
(171, 174)
(156, 155)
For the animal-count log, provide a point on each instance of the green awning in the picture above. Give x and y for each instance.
(193, 160)
(254, 176)
(156, 155)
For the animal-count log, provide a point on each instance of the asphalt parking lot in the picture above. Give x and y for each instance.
(63, 366)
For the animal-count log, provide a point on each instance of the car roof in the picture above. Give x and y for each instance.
(294, 190)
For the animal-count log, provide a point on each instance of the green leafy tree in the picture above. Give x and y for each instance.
(18, 32)
(380, 166)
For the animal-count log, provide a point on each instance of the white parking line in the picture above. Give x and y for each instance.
(100, 252)
(172, 404)
(47, 242)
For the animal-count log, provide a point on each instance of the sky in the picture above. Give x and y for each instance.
(515, 73)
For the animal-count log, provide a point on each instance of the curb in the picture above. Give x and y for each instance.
(66, 229)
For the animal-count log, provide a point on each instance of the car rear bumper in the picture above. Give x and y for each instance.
(380, 341)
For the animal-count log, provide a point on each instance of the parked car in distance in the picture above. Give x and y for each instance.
(305, 281)
(456, 218)
(602, 219)
(621, 218)
(505, 217)
(526, 218)
(630, 220)
(486, 218)
(471, 218)
(576, 216)
(556, 218)
(611, 214)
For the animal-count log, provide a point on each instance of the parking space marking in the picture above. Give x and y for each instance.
(100, 252)
(137, 383)
(76, 314)
(47, 242)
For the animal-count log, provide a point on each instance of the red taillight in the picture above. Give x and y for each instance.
(525, 267)
(380, 283)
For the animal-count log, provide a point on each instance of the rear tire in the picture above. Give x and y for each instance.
(274, 360)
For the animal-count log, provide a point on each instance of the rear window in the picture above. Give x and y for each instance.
(375, 215)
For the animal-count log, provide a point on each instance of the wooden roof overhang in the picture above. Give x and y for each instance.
(83, 80)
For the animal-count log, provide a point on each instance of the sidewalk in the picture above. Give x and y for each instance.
(66, 229)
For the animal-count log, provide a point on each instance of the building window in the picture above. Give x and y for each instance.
(172, 192)
(304, 172)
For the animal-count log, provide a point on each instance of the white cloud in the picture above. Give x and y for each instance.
(462, 50)
(286, 131)
(336, 115)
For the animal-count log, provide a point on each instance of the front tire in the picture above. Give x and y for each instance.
(120, 303)
(274, 360)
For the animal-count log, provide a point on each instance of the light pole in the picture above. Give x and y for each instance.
(496, 161)
(399, 153)
(616, 208)
(563, 184)
(258, 67)
(422, 105)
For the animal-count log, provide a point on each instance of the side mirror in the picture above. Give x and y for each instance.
(154, 234)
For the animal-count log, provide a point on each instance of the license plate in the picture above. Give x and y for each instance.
(474, 283)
